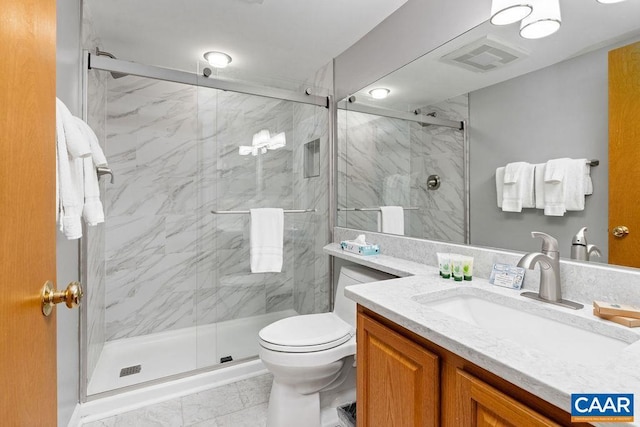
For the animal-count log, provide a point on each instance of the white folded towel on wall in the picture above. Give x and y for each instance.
(391, 220)
(517, 192)
(77, 144)
(588, 183)
(69, 198)
(93, 211)
(499, 184)
(574, 184)
(78, 153)
(267, 240)
(555, 175)
(538, 177)
(89, 135)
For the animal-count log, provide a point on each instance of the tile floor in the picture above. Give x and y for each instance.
(239, 404)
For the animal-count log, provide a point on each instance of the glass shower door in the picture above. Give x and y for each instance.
(240, 175)
(141, 263)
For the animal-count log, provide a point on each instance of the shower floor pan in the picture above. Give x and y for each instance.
(174, 352)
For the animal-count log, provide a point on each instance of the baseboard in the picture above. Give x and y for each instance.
(75, 417)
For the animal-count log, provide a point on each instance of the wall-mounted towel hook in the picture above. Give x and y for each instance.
(103, 170)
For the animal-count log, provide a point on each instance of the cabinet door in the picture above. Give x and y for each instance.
(398, 382)
(483, 406)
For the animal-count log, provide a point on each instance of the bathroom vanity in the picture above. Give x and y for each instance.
(432, 352)
(406, 380)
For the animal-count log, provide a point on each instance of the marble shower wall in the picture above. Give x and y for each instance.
(170, 263)
(386, 161)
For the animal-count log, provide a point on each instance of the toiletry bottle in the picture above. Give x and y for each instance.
(580, 250)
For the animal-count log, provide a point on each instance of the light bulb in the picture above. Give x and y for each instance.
(504, 12)
(217, 59)
(543, 21)
(379, 93)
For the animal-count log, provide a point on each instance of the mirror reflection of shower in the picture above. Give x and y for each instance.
(261, 143)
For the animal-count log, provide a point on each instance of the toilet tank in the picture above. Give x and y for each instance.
(353, 275)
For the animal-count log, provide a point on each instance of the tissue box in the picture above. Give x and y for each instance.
(359, 248)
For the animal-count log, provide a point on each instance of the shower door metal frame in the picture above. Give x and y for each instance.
(104, 63)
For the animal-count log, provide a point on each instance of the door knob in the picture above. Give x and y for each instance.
(70, 296)
(620, 231)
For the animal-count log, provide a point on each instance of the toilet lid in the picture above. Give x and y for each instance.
(306, 333)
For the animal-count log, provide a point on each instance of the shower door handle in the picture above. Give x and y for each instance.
(70, 296)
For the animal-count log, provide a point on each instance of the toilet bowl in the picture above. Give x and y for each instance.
(311, 354)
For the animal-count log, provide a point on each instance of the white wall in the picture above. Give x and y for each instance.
(416, 28)
(559, 111)
(68, 90)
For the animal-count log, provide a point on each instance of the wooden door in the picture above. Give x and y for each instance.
(27, 211)
(479, 405)
(397, 380)
(624, 154)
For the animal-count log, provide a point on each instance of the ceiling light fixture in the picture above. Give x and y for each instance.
(610, 1)
(543, 21)
(379, 93)
(504, 12)
(217, 59)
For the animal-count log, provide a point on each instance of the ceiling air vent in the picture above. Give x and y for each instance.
(484, 55)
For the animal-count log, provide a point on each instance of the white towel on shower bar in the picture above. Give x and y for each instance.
(391, 220)
(267, 237)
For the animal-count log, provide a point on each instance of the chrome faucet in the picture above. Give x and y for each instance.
(549, 261)
(580, 250)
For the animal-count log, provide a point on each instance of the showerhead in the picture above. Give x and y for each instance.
(114, 74)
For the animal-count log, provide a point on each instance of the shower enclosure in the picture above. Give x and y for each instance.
(168, 285)
(392, 158)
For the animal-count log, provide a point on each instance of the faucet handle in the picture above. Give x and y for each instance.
(593, 249)
(549, 243)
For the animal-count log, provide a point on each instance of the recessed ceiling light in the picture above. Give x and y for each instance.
(379, 93)
(609, 1)
(217, 59)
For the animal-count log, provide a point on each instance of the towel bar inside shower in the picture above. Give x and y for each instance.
(412, 208)
(287, 211)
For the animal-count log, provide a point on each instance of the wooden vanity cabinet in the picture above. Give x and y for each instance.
(398, 380)
(404, 380)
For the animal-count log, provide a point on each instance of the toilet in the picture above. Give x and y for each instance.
(313, 353)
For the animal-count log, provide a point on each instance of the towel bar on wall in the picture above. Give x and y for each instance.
(287, 211)
(103, 170)
(373, 209)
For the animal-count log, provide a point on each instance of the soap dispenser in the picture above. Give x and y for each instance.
(580, 250)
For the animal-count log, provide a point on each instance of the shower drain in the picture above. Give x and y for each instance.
(130, 370)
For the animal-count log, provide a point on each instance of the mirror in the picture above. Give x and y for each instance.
(522, 100)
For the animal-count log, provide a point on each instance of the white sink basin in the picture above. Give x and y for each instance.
(509, 318)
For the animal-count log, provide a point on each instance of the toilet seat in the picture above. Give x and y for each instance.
(306, 333)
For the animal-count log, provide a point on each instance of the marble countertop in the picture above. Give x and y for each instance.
(552, 378)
